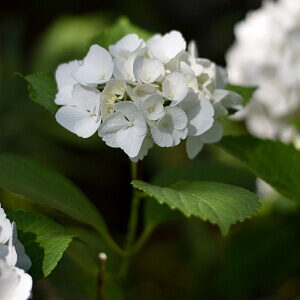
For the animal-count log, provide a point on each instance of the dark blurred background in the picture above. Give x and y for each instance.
(186, 259)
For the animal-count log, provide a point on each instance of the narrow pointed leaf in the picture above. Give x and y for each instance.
(34, 181)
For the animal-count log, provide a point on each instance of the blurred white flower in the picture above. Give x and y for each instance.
(15, 284)
(5, 227)
(266, 54)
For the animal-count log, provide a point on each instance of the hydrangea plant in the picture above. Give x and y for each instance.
(135, 90)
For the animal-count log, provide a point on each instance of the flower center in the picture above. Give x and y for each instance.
(130, 124)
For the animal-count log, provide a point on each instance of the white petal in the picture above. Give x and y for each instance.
(77, 121)
(166, 47)
(9, 281)
(153, 107)
(179, 118)
(192, 49)
(65, 82)
(126, 46)
(194, 145)
(5, 227)
(148, 70)
(179, 135)
(86, 98)
(23, 261)
(175, 87)
(199, 111)
(214, 134)
(161, 137)
(224, 99)
(123, 68)
(8, 254)
(129, 141)
(24, 287)
(221, 77)
(63, 74)
(110, 126)
(129, 109)
(97, 67)
(147, 144)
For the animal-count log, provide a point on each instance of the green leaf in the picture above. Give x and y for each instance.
(205, 170)
(244, 91)
(296, 123)
(42, 89)
(114, 33)
(276, 163)
(155, 214)
(219, 203)
(34, 181)
(44, 241)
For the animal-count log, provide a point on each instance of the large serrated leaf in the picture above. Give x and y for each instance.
(219, 203)
(44, 241)
(276, 163)
(34, 181)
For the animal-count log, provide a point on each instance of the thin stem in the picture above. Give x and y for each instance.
(101, 276)
(132, 224)
(142, 240)
(110, 241)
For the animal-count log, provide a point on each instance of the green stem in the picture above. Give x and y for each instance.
(101, 276)
(132, 224)
(142, 240)
(110, 241)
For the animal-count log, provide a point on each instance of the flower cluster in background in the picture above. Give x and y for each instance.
(140, 93)
(15, 284)
(267, 54)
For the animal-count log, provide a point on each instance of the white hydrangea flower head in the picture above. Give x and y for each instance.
(266, 54)
(141, 93)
